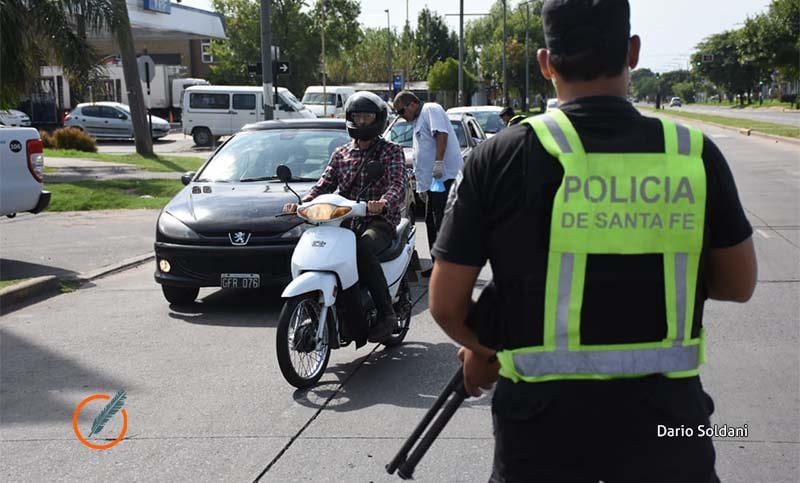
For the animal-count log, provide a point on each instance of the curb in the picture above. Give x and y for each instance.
(40, 288)
(740, 130)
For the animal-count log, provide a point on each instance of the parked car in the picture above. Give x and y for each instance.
(110, 120)
(22, 168)
(675, 102)
(552, 103)
(222, 229)
(14, 118)
(466, 127)
(487, 116)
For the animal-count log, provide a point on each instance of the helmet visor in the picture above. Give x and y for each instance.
(363, 118)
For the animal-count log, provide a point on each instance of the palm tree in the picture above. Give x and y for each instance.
(41, 32)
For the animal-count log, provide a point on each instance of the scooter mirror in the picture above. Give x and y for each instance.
(374, 171)
(284, 173)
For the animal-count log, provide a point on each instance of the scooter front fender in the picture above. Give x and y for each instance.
(311, 282)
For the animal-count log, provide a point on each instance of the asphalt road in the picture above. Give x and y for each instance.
(791, 118)
(206, 401)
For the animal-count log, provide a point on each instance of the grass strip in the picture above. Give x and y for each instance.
(8, 283)
(760, 126)
(160, 163)
(112, 194)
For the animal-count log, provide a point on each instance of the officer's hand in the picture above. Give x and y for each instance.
(479, 373)
(438, 168)
(290, 207)
(376, 207)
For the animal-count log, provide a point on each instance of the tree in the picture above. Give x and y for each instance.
(644, 83)
(41, 32)
(433, 42)
(726, 69)
(443, 76)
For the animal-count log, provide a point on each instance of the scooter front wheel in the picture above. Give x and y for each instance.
(302, 356)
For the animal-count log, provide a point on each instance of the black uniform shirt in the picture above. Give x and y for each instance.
(500, 210)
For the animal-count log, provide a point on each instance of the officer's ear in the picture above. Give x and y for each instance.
(543, 57)
(634, 47)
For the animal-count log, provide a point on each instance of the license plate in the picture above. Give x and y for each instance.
(240, 280)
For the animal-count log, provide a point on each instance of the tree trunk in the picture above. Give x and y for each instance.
(141, 131)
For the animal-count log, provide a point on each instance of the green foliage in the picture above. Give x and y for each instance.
(685, 90)
(42, 32)
(74, 138)
(443, 76)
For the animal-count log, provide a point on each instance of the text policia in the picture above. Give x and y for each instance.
(645, 192)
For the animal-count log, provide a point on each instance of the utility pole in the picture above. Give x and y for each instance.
(130, 69)
(389, 47)
(324, 67)
(461, 53)
(266, 59)
(505, 69)
(526, 99)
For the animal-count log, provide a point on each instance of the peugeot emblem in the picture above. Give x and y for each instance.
(239, 237)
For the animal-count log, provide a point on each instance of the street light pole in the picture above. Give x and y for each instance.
(526, 100)
(266, 59)
(389, 48)
(324, 66)
(505, 73)
(461, 54)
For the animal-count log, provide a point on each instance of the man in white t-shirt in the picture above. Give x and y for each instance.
(437, 154)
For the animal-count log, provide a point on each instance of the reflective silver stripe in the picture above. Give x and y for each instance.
(680, 295)
(684, 139)
(629, 361)
(564, 295)
(558, 134)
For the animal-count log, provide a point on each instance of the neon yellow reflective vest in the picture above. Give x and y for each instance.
(624, 204)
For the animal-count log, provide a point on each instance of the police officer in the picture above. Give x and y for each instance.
(509, 118)
(606, 231)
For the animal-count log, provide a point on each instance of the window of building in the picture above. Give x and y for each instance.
(205, 51)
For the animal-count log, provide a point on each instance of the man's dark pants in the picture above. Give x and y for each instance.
(377, 236)
(434, 212)
(602, 430)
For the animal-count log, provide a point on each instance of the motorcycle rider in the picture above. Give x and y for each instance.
(366, 115)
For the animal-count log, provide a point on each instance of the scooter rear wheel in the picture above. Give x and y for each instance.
(403, 310)
(302, 357)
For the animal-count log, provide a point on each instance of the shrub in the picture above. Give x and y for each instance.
(47, 139)
(74, 138)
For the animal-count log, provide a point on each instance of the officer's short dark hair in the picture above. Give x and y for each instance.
(507, 111)
(587, 39)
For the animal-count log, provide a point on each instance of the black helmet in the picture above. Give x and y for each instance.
(364, 101)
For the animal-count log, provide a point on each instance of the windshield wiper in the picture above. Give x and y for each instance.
(257, 178)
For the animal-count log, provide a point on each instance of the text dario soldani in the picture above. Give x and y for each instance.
(645, 191)
(701, 431)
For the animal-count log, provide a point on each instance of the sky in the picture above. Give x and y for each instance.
(669, 29)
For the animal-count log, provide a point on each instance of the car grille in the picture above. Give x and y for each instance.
(205, 265)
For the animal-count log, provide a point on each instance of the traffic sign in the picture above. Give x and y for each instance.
(147, 68)
(397, 82)
(708, 58)
(281, 67)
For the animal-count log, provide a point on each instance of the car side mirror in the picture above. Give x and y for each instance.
(285, 107)
(477, 140)
(284, 173)
(122, 116)
(186, 177)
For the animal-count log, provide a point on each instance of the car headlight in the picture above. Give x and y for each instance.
(295, 232)
(171, 227)
(323, 212)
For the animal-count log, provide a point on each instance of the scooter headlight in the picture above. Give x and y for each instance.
(323, 212)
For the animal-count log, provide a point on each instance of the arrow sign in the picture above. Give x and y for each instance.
(281, 67)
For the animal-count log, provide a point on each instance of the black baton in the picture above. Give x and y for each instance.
(405, 462)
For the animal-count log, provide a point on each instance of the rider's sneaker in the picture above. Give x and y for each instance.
(383, 328)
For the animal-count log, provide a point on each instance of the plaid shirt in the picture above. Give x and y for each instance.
(341, 174)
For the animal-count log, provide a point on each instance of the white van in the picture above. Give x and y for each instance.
(327, 104)
(212, 111)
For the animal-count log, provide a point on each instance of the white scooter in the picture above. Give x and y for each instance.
(324, 302)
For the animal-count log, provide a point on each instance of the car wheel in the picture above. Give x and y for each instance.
(202, 136)
(180, 295)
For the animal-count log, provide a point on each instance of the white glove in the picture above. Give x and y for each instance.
(438, 168)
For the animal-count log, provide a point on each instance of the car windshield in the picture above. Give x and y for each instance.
(402, 133)
(459, 129)
(255, 155)
(489, 121)
(318, 98)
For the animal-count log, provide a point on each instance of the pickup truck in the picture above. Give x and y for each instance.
(21, 171)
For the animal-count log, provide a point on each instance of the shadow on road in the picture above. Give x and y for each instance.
(233, 308)
(375, 379)
(16, 269)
